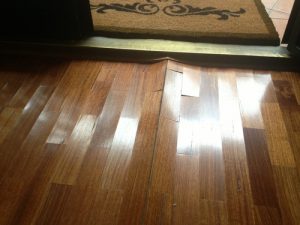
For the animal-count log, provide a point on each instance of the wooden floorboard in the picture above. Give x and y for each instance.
(94, 142)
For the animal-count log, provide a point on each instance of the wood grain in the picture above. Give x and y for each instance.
(137, 180)
(190, 82)
(70, 112)
(55, 201)
(121, 150)
(284, 92)
(76, 146)
(28, 117)
(208, 141)
(237, 181)
(160, 194)
(250, 95)
(110, 143)
(288, 185)
(262, 183)
(9, 117)
(171, 97)
(186, 190)
(279, 147)
(175, 66)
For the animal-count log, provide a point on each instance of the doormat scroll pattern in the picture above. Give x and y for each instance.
(218, 21)
(175, 9)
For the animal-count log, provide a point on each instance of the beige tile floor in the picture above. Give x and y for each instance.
(279, 11)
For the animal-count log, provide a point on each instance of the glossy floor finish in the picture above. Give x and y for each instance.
(91, 142)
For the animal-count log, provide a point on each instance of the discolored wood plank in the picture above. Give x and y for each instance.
(284, 92)
(280, 151)
(279, 148)
(292, 117)
(288, 88)
(262, 184)
(294, 80)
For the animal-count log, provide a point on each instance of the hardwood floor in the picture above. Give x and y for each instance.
(92, 142)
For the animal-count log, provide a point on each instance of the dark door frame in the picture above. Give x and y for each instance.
(45, 20)
(292, 32)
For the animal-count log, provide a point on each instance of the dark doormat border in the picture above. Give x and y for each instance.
(272, 38)
(148, 51)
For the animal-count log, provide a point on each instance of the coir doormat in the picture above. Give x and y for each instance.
(218, 21)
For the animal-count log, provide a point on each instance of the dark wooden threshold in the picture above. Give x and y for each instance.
(150, 50)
